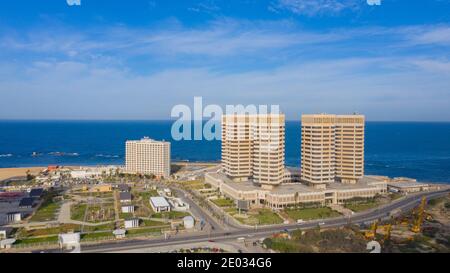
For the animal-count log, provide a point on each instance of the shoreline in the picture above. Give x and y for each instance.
(13, 172)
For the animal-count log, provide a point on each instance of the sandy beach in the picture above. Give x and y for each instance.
(6, 173)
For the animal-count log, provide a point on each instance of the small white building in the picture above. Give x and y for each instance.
(132, 223)
(69, 240)
(7, 243)
(167, 192)
(188, 222)
(13, 217)
(159, 204)
(2, 234)
(128, 209)
(119, 233)
(178, 205)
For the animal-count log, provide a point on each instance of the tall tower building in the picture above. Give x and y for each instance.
(253, 147)
(148, 156)
(332, 149)
(349, 148)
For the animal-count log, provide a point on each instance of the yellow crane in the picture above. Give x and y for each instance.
(387, 232)
(372, 232)
(418, 220)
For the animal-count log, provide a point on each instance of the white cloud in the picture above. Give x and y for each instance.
(225, 62)
(73, 2)
(377, 87)
(315, 7)
(374, 2)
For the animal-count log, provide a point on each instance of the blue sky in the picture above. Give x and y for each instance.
(117, 60)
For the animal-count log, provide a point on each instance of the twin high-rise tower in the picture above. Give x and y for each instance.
(253, 147)
(332, 148)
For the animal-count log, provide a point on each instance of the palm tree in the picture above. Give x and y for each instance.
(296, 199)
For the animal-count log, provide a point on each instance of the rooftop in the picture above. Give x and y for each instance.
(36, 192)
(26, 202)
(407, 184)
(125, 196)
(159, 201)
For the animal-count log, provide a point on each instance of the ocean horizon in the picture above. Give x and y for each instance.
(419, 150)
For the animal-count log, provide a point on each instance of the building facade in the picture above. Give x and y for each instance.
(148, 156)
(332, 149)
(253, 147)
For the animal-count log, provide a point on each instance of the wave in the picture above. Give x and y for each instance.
(6, 155)
(63, 154)
(107, 156)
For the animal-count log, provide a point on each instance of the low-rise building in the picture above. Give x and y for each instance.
(159, 204)
(289, 194)
(125, 197)
(69, 240)
(2, 234)
(408, 187)
(119, 233)
(13, 217)
(188, 222)
(7, 243)
(132, 223)
(26, 203)
(36, 193)
(127, 209)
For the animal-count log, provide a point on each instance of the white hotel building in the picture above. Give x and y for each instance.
(148, 156)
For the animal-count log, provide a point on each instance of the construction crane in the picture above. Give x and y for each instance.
(372, 232)
(387, 232)
(418, 220)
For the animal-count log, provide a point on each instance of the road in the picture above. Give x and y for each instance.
(404, 205)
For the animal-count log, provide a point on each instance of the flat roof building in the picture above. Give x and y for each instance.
(125, 197)
(26, 202)
(127, 209)
(159, 204)
(287, 195)
(36, 193)
(132, 223)
(148, 156)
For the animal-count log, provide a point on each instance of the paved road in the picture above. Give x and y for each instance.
(361, 218)
(197, 210)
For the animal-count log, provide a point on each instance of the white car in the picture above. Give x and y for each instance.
(321, 223)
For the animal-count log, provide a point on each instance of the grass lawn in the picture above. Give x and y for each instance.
(145, 195)
(311, 213)
(171, 215)
(125, 216)
(96, 235)
(48, 231)
(48, 239)
(77, 212)
(151, 223)
(361, 207)
(259, 217)
(46, 212)
(195, 184)
(223, 202)
(106, 227)
(144, 231)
